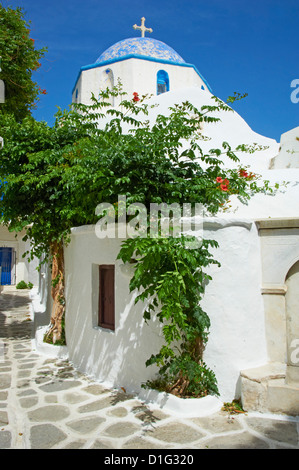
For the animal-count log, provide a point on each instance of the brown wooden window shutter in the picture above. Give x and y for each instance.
(106, 296)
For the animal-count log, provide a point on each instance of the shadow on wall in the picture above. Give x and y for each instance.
(43, 313)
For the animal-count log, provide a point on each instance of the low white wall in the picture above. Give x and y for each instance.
(233, 302)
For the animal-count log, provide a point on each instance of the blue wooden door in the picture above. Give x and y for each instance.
(6, 259)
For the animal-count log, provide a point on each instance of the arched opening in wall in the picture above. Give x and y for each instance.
(292, 323)
(107, 81)
(162, 82)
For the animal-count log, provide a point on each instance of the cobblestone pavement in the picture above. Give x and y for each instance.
(46, 404)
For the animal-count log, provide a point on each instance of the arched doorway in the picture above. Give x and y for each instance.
(292, 324)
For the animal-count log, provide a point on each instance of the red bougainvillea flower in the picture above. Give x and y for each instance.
(224, 187)
(135, 96)
(243, 174)
(219, 179)
(226, 182)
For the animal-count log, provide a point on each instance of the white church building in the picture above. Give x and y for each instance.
(253, 299)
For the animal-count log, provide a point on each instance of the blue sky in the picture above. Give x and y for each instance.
(237, 45)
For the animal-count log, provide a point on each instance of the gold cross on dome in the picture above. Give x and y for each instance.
(142, 28)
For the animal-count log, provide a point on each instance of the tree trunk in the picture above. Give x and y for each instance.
(198, 349)
(56, 332)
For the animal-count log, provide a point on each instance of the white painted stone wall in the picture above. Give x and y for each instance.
(288, 155)
(231, 128)
(115, 357)
(237, 338)
(234, 303)
(233, 300)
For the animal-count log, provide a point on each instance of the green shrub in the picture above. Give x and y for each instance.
(24, 285)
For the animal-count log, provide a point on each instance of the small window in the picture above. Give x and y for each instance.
(107, 82)
(162, 82)
(106, 296)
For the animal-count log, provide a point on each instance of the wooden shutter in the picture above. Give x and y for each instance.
(106, 296)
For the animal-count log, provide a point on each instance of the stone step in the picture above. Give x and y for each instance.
(283, 398)
(264, 389)
(269, 371)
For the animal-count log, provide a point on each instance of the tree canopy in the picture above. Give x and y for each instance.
(19, 59)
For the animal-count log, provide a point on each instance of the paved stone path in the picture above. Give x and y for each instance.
(46, 404)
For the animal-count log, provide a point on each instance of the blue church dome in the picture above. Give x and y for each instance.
(143, 46)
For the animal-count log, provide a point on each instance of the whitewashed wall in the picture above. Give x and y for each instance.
(136, 75)
(116, 357)
(234, 303)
